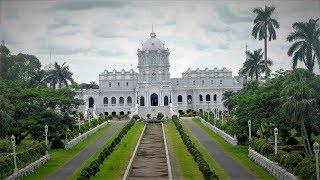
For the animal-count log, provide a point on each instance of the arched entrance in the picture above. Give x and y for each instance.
(189, 99)
(166, 100)
(141, 101)
(91, 102)
(154, 99)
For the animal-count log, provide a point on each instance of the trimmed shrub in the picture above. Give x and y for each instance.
(292, 160)
(160, 116)
(135, 117)
(277, 157)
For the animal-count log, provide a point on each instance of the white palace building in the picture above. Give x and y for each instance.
(151, 90)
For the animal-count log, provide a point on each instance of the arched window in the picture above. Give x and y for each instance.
(105, 100)
(129, 100)
(208, 97)
(153, 60)
(194, 82)
(163, 77)
(113, 100)
(121, 101)
(141, 101)
(154, 77)
(215, 97)
(202, 82)
(179, 98)
(166, 100)
(200, 98)
(91, 102)
(144, 77)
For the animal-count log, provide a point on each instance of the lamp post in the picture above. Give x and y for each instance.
(316, 152)
(249, 125)
(275, 131)
(89, 120)
(13, 141)
(208, 110)
(79, 124)
(215, 119)
(46, 132)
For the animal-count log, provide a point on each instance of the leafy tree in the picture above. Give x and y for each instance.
(254, 64)
(38, 79)
(306, 46)
(60, 75)
(6, 113)
(265, 25)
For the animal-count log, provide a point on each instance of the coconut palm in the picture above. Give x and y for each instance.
(38, 79)
(265, 25)
(228, 100)
(60, 75)
(306, 46)
(254, 64)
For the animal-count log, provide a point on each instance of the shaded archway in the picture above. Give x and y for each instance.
(180, 98)
(91, 102)
(121, 101)
(189, 99)
(200, 98)
(105, 101)
(113, 101)
(154, 99)
(129, 100)
(166, 100)
(208, 97)
(215, 97)
(141, 101)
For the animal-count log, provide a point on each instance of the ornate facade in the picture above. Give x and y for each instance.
(151, 90)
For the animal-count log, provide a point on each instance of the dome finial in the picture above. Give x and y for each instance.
(152, 34)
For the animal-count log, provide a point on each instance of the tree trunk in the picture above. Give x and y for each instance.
(303, 139)
(257, 76)
(265, 51)
(306, 137)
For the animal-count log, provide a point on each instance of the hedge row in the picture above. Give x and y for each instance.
(94, 167)
(203, 165)
(85, 126)
(293, 161)
(24, 158)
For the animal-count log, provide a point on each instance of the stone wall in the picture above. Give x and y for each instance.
(272, 167)
(30, 168)
(225, 136)
(83, 136)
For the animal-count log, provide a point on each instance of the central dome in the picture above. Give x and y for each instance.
(153, 43)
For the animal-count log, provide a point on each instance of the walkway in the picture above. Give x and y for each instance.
(70, 167)
(230, 166)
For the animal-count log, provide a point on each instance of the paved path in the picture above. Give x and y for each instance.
(230, 166)
(68, 169)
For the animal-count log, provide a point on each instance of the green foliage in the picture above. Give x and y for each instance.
(94, 167)
(293, 160)
(160, 115)
(135, 117)
(148, 116)
(261, 146)
(202, 164)
(306, 169)
(24, 158)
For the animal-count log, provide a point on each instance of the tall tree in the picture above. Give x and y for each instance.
(38, 79)
(254, 64)
(265, 25)
(306, 46)
(228, 100)
(60, 75)
(6, 113)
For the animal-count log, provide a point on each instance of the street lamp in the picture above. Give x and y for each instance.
(316, 152)
(215, 119)
(46, 132)
(13, 141)
(249, 125)
(208, 110)
(89, 120)
(275, 131)
(79, 124)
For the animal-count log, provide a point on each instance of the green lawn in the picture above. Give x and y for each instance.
(239, 153)
(181, 153)
(59, 157)
(187, 166)
(121, 154)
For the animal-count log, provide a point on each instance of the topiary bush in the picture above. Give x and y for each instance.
(135, 117)
(160, 116)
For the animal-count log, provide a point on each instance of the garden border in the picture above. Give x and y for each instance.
(167, 152)
(231, 140)
(30, 168)
(273, 168)
(83, 136)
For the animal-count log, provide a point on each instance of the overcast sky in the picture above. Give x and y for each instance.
(91, 36)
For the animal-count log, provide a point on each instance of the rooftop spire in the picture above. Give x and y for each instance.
(152, 34)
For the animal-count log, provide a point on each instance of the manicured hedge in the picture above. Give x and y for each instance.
(23, 159)
(203, 165)
(295, 162)
(94, 167)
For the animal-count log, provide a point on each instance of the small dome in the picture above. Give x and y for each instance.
(153, 43)
(48, 67)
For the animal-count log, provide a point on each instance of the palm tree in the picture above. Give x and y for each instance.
(307, 44)
(254, 64)
(228, 100)
(264, 24)
(60, 75)
(299, 103)
(38, 79)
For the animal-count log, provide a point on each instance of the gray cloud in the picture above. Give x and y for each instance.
(61, 22)
(87, 5)
(229, 17)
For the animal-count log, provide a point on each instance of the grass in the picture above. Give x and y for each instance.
(59, 157)
(239, 153)
(186, 164)
(181, 153)
(121, 155)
